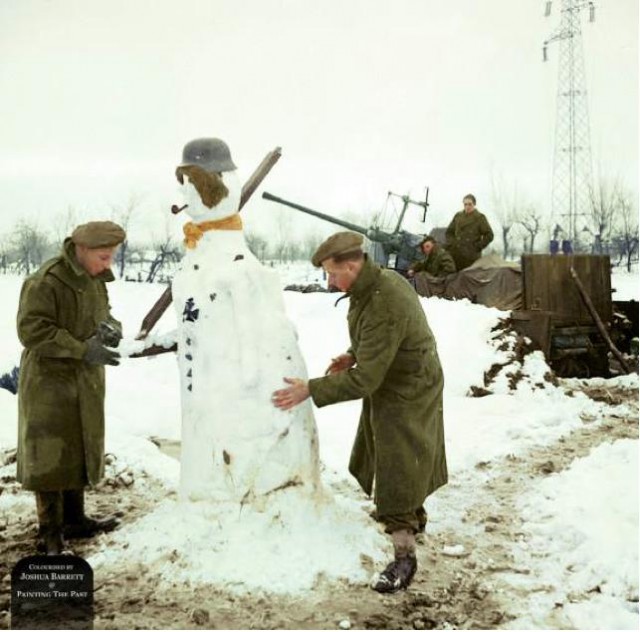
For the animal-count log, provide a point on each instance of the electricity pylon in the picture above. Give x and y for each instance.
(572, 170)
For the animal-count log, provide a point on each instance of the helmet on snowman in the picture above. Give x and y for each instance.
(212, 154)
(204, 160)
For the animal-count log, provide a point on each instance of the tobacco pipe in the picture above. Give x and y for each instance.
(175, 209)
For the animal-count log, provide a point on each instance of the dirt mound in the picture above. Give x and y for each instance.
(521, 364)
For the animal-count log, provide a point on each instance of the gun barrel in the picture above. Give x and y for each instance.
(328, 218)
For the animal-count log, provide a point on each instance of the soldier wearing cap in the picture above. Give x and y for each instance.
(65, 325)
(398, 455)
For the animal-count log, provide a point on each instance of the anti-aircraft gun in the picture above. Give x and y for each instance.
(395, 250)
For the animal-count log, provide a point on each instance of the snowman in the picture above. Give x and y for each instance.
(234, 345)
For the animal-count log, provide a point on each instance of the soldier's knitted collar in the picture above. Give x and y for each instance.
(367, 278)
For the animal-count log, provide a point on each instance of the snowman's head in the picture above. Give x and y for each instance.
(209, 182)
(209, 195)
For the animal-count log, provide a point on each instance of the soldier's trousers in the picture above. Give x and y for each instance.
(55, 509)
(415, 521)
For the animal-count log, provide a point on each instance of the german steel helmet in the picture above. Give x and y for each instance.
(212, 154)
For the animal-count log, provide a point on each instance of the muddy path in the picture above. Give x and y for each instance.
(469, 587)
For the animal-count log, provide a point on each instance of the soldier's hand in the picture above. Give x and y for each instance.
(343, 362)
(108, 334)
(97, 354)
(410, 272)
(296, 393)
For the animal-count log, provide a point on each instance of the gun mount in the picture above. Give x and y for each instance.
(395, 250)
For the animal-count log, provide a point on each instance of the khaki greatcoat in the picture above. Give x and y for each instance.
(467, 235)
(400, 437)
(438, 263)
(60, 398)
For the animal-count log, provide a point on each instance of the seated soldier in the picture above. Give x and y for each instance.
(437, 262)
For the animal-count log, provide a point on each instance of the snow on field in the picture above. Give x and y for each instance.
(143, 401)
(285, 546)
(584, 523)
(626, 284)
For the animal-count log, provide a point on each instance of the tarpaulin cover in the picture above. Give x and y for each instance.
(490, 281)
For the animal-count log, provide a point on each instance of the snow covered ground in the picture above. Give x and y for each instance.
(579, 525)
(583, 519)
(626, 284)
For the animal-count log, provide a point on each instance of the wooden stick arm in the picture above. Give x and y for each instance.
(259, 175)
(154, 314)
(154, 350)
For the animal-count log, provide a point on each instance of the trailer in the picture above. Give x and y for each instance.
(555, 316)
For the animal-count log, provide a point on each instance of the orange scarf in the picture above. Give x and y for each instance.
(193, 232)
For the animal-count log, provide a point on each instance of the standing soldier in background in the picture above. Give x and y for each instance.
(65, 325)
(437, 262)
(468, 234)
(393, 366)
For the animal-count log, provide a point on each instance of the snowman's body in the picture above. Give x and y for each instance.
(235, 345)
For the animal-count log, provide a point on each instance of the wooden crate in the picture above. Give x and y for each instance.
(548, 286)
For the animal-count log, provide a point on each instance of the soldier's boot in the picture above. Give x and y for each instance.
(79, 525)
(399, 573)
(50, 519)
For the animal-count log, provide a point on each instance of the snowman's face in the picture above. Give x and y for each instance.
(196, 208)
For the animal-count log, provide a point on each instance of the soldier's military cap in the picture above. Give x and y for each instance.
(98, 235)
(341, 243)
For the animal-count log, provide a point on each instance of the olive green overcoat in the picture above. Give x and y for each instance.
(467, 235)
(438, 263)
(400, 437)
(60, 398)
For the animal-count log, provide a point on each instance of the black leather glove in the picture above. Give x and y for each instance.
(97, 353)
(109, 335)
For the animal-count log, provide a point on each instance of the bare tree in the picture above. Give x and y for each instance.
(165, 251)
(31, 246)
(604, 202)
(5, 253)
(531, 221)
(281, 245)
(310, 243)
(505, 208)
(64, 223)
(123, 216)
(257, 244)
(626, 231)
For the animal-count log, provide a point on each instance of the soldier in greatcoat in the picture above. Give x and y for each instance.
(66, 328)
(437, 261)
(468, 234)
(392, 365)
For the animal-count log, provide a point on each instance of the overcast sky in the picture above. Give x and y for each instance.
(98, 98)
